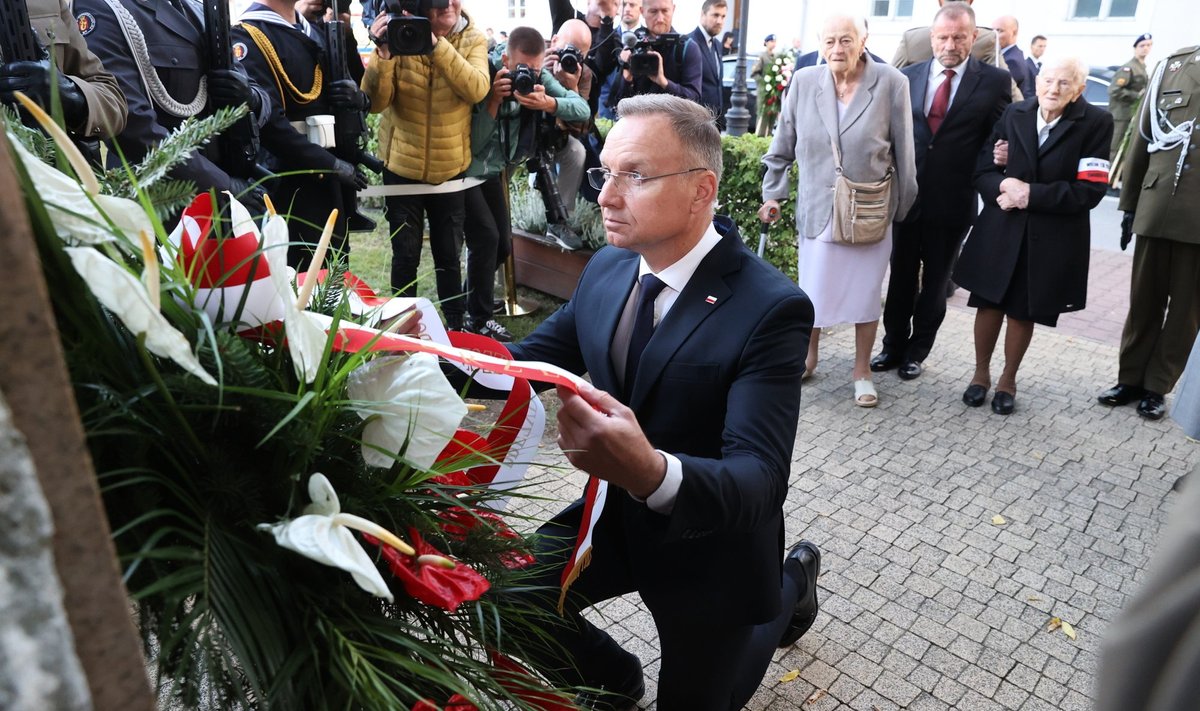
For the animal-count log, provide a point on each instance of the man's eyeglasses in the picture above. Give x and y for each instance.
(624, 180)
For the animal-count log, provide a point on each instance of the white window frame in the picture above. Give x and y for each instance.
(891, 13)
(516, 9)
(1105, 8)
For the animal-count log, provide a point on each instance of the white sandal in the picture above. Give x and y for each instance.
(864, 393)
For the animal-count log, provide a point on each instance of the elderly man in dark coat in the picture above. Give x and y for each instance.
(1027, 257)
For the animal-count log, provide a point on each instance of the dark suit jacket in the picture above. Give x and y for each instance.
(1034, 70)
(710, 78)
(1015, 59)
(1055, 227)
(946, 161)
(719, 387)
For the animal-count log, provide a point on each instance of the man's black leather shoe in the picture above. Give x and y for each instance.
(1152, 406)
(885, 361)
(909, 370)
(1119, 395)
(1003, 403)
(614, 700)
(975, 395)
(808, 556)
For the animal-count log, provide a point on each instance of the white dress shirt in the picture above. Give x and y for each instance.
(676, 278)
(1044, 128)
(937, 76)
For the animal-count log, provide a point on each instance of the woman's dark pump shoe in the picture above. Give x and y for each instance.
(1003, 403)
(974, 395)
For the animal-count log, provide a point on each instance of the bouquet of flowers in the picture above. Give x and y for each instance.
(303, 505)
(776, 77)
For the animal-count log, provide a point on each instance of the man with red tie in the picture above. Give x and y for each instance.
(956, 101)
(695, 347)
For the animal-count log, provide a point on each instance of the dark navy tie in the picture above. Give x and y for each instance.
(643, 326)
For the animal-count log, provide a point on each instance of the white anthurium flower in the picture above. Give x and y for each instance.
(305, 334)
(410, 408)
(323, 534)
(125, 295)
(70, 208)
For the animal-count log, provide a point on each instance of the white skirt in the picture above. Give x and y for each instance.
(844, 282)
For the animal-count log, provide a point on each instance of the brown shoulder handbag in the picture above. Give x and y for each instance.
(860, 210)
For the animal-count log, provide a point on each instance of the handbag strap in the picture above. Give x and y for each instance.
(837, 155)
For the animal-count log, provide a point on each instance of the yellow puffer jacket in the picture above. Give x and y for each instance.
(425, 133)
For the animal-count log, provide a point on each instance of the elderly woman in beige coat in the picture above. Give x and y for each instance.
(864, 108)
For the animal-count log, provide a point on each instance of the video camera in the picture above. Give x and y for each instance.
(410, 35)
(569, 58)
(640, 44)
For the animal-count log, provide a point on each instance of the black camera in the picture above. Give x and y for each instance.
(523, 79)
(569, 58)
(411, 35)
(641, 62)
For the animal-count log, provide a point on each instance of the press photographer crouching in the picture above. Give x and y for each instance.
(657, 60)
(425, 134)
(514, 123)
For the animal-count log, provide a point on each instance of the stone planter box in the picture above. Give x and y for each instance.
(541, 264)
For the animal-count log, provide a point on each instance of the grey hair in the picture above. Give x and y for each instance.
(1078, 67)
(955, 10)
(859, 22)
(692, 123)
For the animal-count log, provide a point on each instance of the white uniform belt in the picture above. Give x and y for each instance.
(450, 186)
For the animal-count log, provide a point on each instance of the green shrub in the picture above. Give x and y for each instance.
(740, 197)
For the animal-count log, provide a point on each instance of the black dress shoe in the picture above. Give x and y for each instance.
(614, 700)
(808, 556)
(1003, 403)
(1152, 406)
(909, 370)
(975, 395)
(885, 361)
(1120, 395)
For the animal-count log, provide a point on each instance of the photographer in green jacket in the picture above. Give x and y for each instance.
(514, 123)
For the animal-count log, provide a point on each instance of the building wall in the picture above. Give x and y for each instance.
(1099, 42)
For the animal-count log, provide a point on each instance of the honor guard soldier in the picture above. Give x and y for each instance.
(1128, 85)
(1161, 201)
(158, 51)
(284, 53)
(92, 103)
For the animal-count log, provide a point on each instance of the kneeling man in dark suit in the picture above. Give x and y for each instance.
(695, 347)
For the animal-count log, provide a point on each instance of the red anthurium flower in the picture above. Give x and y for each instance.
(454, 703)
(457, 522)
(521, 683)
(431, 577)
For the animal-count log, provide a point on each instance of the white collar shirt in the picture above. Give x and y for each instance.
(937, 76)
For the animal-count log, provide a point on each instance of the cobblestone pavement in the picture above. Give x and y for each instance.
(925, 602)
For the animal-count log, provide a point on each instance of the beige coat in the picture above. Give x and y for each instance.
(426, 101)
(876, 133)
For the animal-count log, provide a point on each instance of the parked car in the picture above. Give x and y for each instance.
(1096, 90)
(729, 63)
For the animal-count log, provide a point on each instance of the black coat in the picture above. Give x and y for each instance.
(946, 161)
(1055, 226)
(711, 75)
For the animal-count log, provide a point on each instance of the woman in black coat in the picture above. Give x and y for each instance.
(1027, 257)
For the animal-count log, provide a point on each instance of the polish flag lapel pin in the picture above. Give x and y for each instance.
(710, 299)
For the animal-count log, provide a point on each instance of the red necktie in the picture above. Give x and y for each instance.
(941, 102)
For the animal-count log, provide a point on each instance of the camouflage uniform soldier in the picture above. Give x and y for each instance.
(1128, 85)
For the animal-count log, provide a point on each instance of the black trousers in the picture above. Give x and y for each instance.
(923, 255)
(307, 201)
(486, 229)
(406, 221)
(708, 664)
